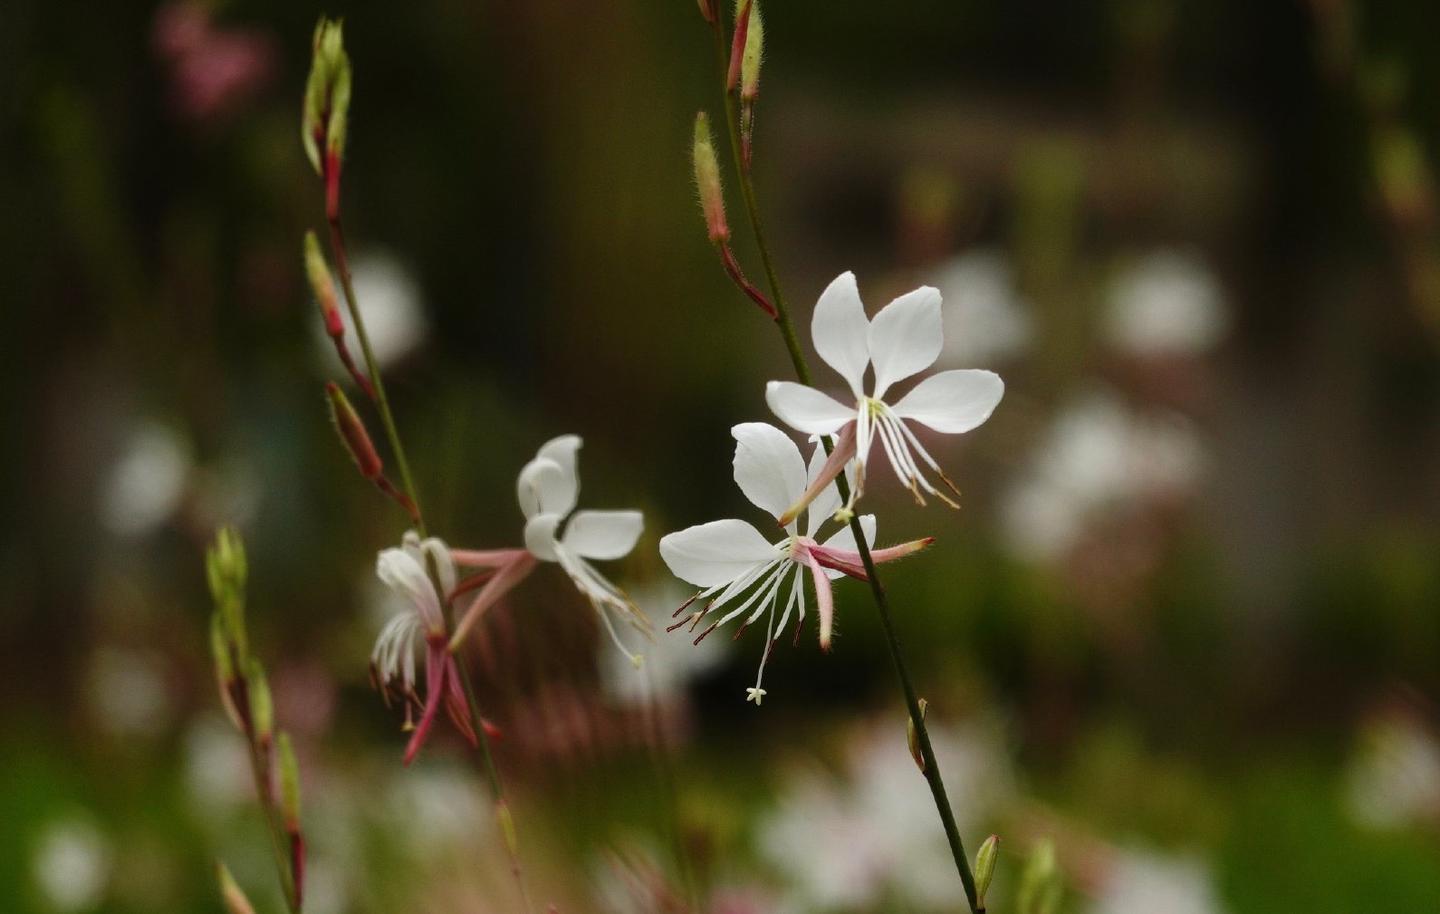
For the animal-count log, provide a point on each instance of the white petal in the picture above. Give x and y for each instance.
(953, 401)
(715, 553)
(905, 337)
(603, 534)
(540, 536)
(768, 467)
(839, 329)
(549, 484)
(806, 409)
(401, 573)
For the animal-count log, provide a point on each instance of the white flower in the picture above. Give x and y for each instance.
(1140, 882)
(1168, 303)
(730, 557)
(904, 338)
(556, 532)
(979, 290)
(148, 482)
(391, 303)
(407, 572)
(72, 864)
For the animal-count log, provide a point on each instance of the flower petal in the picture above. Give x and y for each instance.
(715, 553)
(905, 337)
(827, 501)
(603, 534)
(549, 484)
(540, 538)
(839, 328)
(399, 571)
(806, 409)
(953, 401)
(768, 466)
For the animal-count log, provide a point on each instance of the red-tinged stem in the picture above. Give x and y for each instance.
(877, 590)
(732, 269)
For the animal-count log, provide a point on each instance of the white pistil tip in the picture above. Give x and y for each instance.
(754, 695)
(844, 515)
(637, 661)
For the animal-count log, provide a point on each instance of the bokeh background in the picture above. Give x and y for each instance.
(1187, 624)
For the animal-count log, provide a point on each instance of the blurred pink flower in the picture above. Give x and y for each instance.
(213, 71)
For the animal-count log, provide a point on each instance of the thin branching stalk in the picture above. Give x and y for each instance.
(877, 590)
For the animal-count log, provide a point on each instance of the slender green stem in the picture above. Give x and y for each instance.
(382, 402)
(877, 590)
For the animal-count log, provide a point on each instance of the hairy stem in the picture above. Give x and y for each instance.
(877, 590)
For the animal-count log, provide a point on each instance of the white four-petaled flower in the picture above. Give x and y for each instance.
(556, 532)
(904, 338)
(730, 558)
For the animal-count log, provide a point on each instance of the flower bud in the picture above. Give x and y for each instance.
(985, 866)
(751, 57)
(353, 434)
(322, 286)
(507, 827)
(289, 782)
(225, 571)
(1040, 887)
(262, 708)
(913, 739)
(707, 181)
(737, 42)
(231, 893)
(327, 97)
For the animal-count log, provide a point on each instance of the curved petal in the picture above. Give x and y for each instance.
(768, 466)
(540, 536)
(549, 484)
(399, 571)
(953, 401)
(603, 534)
(715, 553)
(827, 502)
(905, 337)
(806, 409)
(839, 329)
(431, 550)
(844, 538)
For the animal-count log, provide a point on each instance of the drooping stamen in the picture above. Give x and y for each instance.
(436, 670)
(486, 558)
(840, 454)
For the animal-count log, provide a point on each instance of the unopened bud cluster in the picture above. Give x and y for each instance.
(245, 693)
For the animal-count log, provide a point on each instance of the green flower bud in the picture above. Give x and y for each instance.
(225, 570)
(327, 96)
(913, 739)
(754, 51)
(322, 286)
(985, 866)
(262, 708)
(707, 180)
(353, 433)
(1040, 885)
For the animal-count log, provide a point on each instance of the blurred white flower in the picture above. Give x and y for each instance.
(671, 664)
(217, 766)
(71, 864)
(1145, 883)
(438, 808)
(987, 320)
(128, 692)
(1394, 778)
(391, 303)
(876, 835)
(1097, 454)
(146, 484)
(1166, 303)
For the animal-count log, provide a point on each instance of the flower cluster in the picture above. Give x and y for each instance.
(742, 571)
(426, 575)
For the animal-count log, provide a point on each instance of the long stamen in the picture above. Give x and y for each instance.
(905, 429)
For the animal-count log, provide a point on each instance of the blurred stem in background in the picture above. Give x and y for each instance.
(741, 149)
